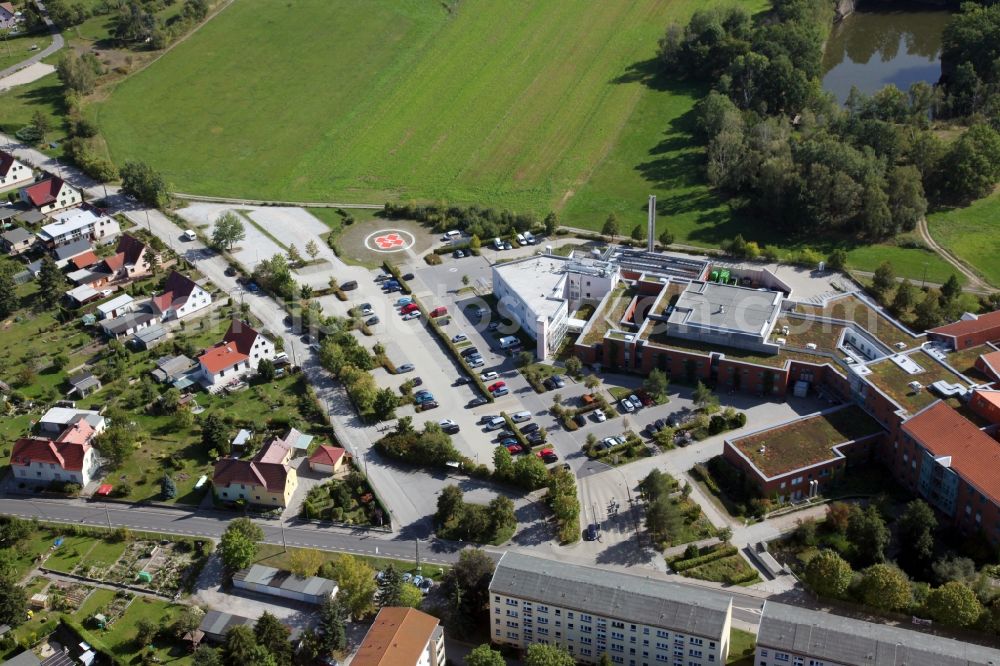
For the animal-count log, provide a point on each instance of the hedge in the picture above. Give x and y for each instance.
(404, 287)
(717, 554)
(95, 642)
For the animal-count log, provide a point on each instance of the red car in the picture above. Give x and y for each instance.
(545, 453)
(514, 449)
(407, 309)
(494, 387)
(439, 311)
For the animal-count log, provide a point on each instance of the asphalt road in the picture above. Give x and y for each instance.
(57, 43)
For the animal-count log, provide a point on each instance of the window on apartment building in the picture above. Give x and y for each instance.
(511, 613)
(512, 602)
(697, 641)
(662, 634)
(558, 612)
(542, 609)
(781, 656)
(694, 653)
(816, 662)
(586, 652)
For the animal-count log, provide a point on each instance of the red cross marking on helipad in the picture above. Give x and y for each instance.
(389, 241)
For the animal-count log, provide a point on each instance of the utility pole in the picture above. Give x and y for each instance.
(416, 544)
(107, 514)
(281, 526)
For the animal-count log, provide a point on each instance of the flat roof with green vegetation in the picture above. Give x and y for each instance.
(965, 361)
(852, 308)
(610, 312)
(806, 441)
(895, 381)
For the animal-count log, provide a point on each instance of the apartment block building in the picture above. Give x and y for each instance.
(636, 621)
(793, 636)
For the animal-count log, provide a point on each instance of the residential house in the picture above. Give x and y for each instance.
(68, 458)
(181, 297)
(284, 584)
(82, 295)
(171, 368)
(13, 172)
(130, 260)
(116, 307)
(240, 441)
(30, 217)
(64, 253)
(240, 352)
(58, 419)
(8, 18)
(129, 324)
(85, 260)
(215, 624)
(591, 611)
(791, 635)
(266, 480)
(969, 331)
(327, 459)
(51, 194)
(27, 657)
(402, 637)
(16, 240)
(83, 384)
(83, 222)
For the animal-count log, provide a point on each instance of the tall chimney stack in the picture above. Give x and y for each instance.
(651, 230)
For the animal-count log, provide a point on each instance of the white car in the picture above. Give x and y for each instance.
(461, 337)
(478, 363)
(626, 405)
(601, 416)
(414, 315)
(444, 423)
(367, 311)
(488, 376)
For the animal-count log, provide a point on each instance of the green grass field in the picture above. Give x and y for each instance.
(523, 105)
(972, 233)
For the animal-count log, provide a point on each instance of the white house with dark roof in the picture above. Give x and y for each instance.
(13, 172)
(181, 297)
(791, 636)
(637, 621)
(17, 240)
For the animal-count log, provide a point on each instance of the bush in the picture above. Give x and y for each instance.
(433, 259)
(717, 554)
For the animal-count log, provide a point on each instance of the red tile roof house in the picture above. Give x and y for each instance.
(952, 464)
(181, 296)
(986, 403)
(68, 458)
(969, 331)
(50, 195)
(130, 260)
(266, 480)
(13, 173)
(238, 355)
(328, 459)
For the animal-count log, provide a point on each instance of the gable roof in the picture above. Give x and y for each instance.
(659, 603)
(241, 335)
(16, 235)
(833, 638)
(970, 325)
(44, 192)
(6, 159)
(130, 248)
(327, 455)
(175, 292)
(266, 469)
(67, 454)
(397, 636)
(84, 260)
(992, 363)
(220, 357)
(947, 434)
(70, 250)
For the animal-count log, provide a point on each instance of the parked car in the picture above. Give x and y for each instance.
(432, 404)
(451, 430)
(392, 289)
(600, 415)
(579, 420)
(458, 254)
(486, 418)
(230, 271)
(446, 422)
(405, 300)
(497, 385)
(489, 376)
(461, 337)
(350, 285)
(420, 399)
(535, 438)
(678, 418)
(626, 405)
(426, 585)
(559, 380)
(548, 455)
(591, 532)
(461, 381)
(469, 351)
(417, 381)
(406, 367)
(494, 325)
(476, 402)
(531, 427)
(548, 383)
(636, 402)
(382, 277)
(478, 363)
(507, 441)
(495, 423)
(439, 311)
(500, 392)
(371, 321)
(515, 448)
(644, 397)
(413, 315)
(407, 276)
(408, 308)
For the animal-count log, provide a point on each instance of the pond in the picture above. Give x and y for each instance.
(871, 49)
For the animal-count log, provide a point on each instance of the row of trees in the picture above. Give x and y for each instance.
(782, 147)
(432, 447)
(475, 221)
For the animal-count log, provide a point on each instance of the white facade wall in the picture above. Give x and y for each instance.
(588, 635)
(240, 370)
(47, 472)
(18, 174)
(197, 300)
(769, 657)
(262, 349)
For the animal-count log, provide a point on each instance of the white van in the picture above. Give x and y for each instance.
(528, 237)
(189, 235)
(521, 240)
(451, 235)
(497, 243)
(495, 422)
(520, 417)
(508, 341)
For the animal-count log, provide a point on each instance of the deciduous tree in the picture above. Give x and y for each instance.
(228, 231)
(484, 655)
(51, 283)
(239, 544)
(611, 227)
(954, 604)
(828, 574)
(305, 562)
(544, 654)
(356, 580)
(885, 586)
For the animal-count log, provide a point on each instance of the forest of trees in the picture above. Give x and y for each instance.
(783, 148)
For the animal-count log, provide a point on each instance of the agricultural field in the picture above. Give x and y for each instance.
(972, 233)
(525, 106)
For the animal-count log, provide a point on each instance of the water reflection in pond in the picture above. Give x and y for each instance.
(872, 49)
